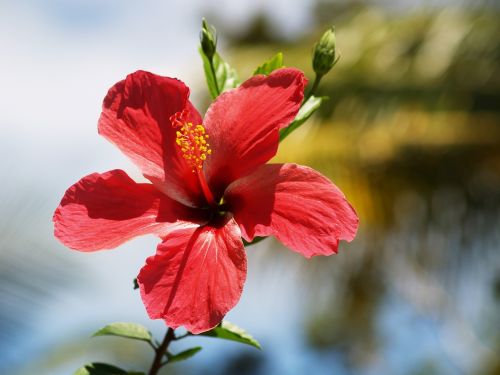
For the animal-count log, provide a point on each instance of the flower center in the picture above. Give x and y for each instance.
(192, 141)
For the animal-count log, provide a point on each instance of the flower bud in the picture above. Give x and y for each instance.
(324, 53)
(208, 39)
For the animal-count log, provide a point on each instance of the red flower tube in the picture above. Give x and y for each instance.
(210, 186)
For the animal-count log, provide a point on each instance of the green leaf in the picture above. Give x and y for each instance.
(136, 284)
(267, 67)
(223, 77)
(127, 330)
(230, 331)
(182, 356)
(103, 369)
(306, 111)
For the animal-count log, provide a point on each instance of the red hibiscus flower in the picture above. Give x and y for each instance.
(209, 187)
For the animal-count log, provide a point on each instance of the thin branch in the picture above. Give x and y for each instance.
(160, 352)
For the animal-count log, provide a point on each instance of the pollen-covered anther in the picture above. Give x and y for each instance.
(192, 141)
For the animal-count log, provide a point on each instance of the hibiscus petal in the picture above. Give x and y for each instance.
(196, 276)
(102, 211)
(136, 118)
(296, 204)
(243, 124)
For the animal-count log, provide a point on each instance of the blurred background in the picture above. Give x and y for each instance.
(411, 134)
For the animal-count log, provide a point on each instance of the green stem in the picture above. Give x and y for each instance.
(314, 87)
(212, 69)
(183, 336)
(160, 352)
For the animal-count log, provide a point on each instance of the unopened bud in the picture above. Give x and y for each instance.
(324, 53)
(208, 39)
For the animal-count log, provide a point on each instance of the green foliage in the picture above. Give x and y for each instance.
(182, 356)
(127, 330)
(268, 66)
(218, 74)
(103, 369)
(229, 331)
(308, 108)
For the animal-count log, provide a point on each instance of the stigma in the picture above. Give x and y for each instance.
(192, 141)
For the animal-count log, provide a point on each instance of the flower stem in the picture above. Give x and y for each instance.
(212, 68)
(160, 352)
(314, 87)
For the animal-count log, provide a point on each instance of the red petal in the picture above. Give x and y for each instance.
(298, 205)
(136, 118)
(243, 124)
(196, 276)
(102, 211)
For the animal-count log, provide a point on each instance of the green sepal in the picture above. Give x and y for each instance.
(230, 331)
(128, 330)
(253, 242)
(324, 55)
(182, 356)
(306, 111)
(103, 369)
(270, 65)
(225, 77)
(208, 38)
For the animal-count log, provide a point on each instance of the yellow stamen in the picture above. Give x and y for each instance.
(192, 141)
